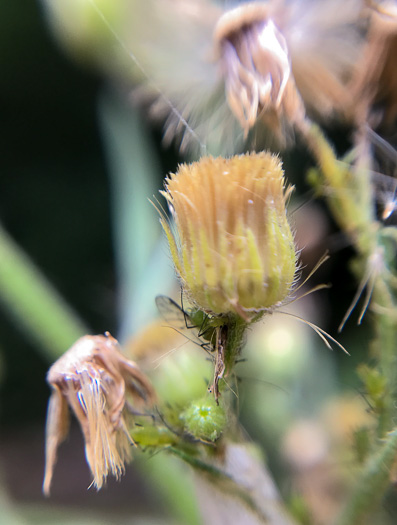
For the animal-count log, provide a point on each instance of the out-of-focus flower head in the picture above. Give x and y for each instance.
(232, 246)
(273, 60)
(256, 66)
(325, 39)
(374, 84)
(185, 54)
(94, 379)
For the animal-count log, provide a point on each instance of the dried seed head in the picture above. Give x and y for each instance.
(93, 377)
(233, 247)
(256, 67)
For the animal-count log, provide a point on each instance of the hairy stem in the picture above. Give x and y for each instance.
(371, 486)
(348, 190)
(350, 198)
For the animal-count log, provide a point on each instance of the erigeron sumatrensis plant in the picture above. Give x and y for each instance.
(234, 252)
(231, 244)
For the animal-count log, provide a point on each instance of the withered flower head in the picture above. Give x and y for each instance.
(94, 378)
(256, 67)
(233, 247)
(374, 84)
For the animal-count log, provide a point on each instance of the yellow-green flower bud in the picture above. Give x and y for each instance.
(232, 245)
(205, 419)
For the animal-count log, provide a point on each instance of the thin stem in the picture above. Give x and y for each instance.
(350, 198)
(348, 190)
(386, 342)
(34, 304)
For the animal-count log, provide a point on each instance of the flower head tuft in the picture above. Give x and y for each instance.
(233, 247)
(93, 377)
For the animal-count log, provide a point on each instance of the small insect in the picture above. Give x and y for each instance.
(213, 330)
(180, 319)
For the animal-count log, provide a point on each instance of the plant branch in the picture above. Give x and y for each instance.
(33, 302)
(372, 484)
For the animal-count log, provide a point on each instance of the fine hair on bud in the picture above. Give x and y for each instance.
(231, 243)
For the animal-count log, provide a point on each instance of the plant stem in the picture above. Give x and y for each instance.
(348, 191)
(35, 305)
(385, 345)
(371, 486)
(235, 487)
(351, 201)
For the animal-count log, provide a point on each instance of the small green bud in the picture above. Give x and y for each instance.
(204, 419)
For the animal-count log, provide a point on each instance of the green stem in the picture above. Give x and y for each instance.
(236, 330)
(35, 305)
(350, 198)
(371, 486)
(234, 486)
(221, 479)
(385, 342)
(142, 261)
(348, 190)
(170, 479)
(386, 323)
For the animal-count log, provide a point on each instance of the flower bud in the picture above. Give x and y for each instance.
(205, 419)
(232, 246)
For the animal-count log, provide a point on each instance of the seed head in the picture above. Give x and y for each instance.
(93, 377)
(232, 245)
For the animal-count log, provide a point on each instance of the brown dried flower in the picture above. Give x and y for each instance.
(183, 54)
(93, 377)
(256, 67)
(375, 79)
